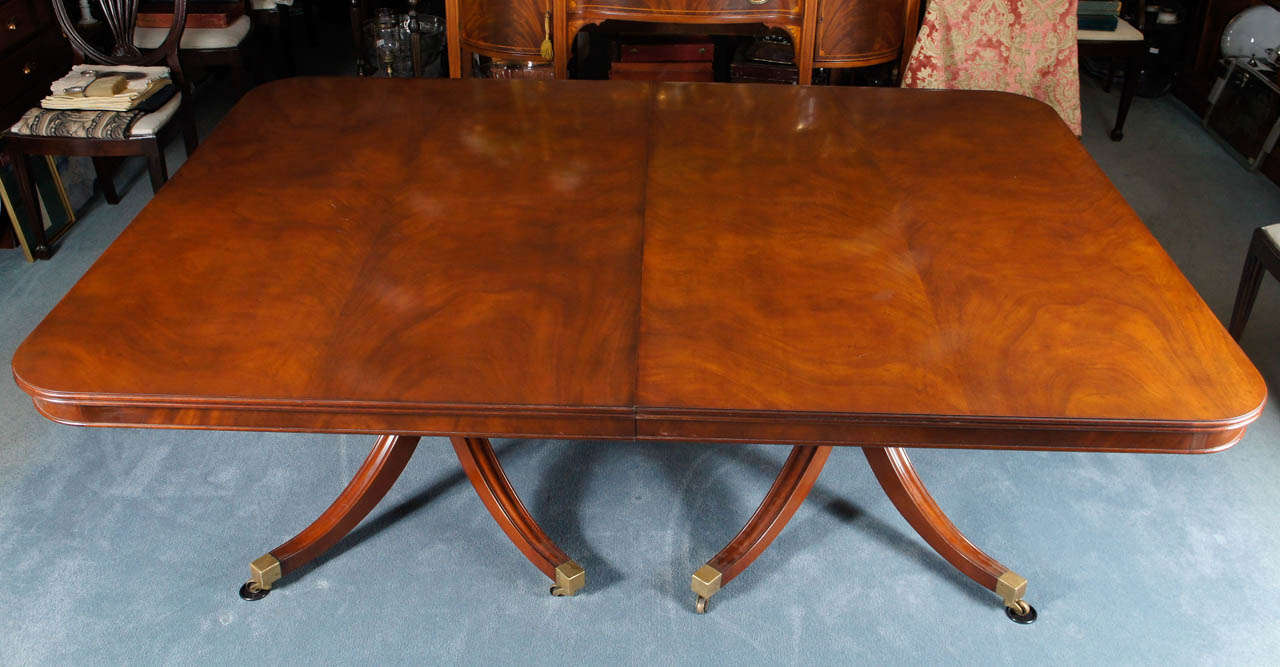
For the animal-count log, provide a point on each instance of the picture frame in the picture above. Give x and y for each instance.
(56, 213)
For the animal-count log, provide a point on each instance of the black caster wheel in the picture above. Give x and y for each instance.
(559, 592)
(1026, 617)
(250, 591)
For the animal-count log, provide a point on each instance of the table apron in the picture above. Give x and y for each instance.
(623, 424)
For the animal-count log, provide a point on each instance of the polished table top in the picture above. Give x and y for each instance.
(618, 260)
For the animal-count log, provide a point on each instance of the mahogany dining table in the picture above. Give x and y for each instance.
(806, 266)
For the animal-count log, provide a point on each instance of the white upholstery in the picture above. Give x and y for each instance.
(151, 123)
(1273, 234)
(268, 5)
(196, 38)
(1124, 32)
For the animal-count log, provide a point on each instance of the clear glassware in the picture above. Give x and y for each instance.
(389, 40)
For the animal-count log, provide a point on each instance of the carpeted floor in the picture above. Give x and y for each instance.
(127, 546)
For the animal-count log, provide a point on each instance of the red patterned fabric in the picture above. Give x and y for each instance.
(1018, 46)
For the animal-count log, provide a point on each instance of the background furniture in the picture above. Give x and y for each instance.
(825, 33)
(1126, 44)
(32, 54)
(206, 47)
(1263, 256)
(148, 132)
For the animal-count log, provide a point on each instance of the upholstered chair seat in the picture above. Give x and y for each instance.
(197, 38)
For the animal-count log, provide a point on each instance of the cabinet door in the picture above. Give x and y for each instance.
(504, 28)
(859, 32)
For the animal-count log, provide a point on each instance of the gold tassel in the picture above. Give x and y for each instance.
(548, 53)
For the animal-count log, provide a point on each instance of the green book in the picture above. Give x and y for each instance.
(1103, 7)
(1107, 23)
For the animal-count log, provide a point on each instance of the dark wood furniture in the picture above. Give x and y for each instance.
(1200, 69)
(211, 47)
(826, 33)
(1127, 45)
(108, 153)
(925, 269)
(32, 54)
(1263, 257)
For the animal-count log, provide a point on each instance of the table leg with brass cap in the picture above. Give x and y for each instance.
(787, 494)
(371, 482)
(485, 472)
(897, 476)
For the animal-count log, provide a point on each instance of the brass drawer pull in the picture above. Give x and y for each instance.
(28, 68)
(758, 2)
(13, 25)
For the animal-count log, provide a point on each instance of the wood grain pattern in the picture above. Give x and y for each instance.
(504, 28)
(460, 257)
(411, 248)
(859, 32)
(957, 259)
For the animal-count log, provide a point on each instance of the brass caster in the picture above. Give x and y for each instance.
(251, 591)
(561, 592)
(701, 605)
(1021, 612)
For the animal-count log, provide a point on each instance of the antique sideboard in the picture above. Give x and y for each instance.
(826, 33)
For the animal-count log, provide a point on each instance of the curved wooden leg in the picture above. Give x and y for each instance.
(371, 482)
(899, 480)
(786, 495)
(486, 475)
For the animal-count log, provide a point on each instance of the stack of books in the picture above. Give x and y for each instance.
(1099, 14)
(111, 88)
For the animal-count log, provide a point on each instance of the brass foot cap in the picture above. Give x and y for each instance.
(706, 581)
(265, 571)
(1011, 587)
(570, 578)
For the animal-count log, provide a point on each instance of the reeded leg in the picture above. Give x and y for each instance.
(898, 479)
(375, 477)
(486, 475)
(786, 495)
(1247, 293)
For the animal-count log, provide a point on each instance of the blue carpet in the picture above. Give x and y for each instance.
(127, 546)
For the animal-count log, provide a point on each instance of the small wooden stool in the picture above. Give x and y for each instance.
(1264, 253)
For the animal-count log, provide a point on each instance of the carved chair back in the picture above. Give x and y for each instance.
(121, 17)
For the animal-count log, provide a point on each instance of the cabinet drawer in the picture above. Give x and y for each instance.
(667, 53)
(27, 71)
(707, 10)
(19, 19)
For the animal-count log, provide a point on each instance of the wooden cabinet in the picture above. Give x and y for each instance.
(826, 33)
(32, 54)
